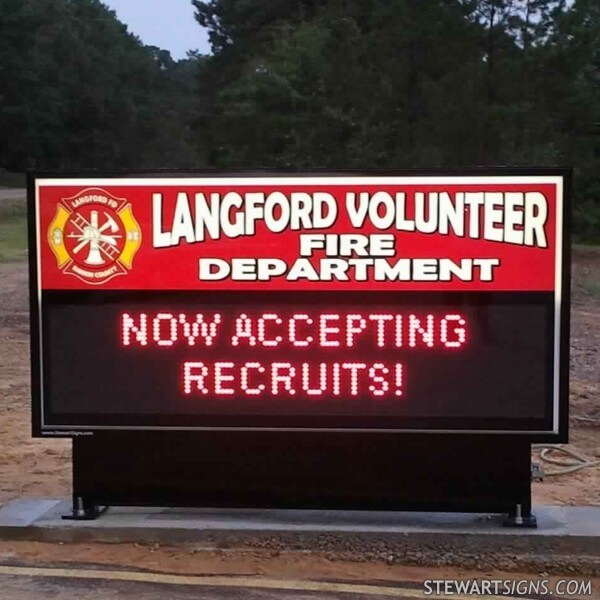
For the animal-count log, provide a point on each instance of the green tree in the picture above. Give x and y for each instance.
(353, 84)
(77, 90)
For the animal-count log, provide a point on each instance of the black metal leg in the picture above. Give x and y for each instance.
(521, 517)
(84, 510)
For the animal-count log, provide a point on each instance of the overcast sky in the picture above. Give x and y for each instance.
(169, 24)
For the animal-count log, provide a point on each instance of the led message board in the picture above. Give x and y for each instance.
(381, 302)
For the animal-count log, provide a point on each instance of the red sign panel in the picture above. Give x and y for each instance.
(335, 302)
(365, 233)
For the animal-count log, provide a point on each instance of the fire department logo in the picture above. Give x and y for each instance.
(94, 236)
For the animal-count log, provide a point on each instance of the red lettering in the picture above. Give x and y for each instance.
(287, 378)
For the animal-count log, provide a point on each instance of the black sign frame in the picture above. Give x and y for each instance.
(559, 432)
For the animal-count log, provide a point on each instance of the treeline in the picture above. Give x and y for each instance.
(77, 90)
(310, 84)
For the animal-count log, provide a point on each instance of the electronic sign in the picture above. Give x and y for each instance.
(433, 303)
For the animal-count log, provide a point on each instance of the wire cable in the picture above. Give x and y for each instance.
(572, 462)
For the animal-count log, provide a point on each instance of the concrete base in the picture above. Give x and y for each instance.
(565, 535)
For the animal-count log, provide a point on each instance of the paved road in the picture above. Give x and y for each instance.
(18, 583)
(34, 589)
(11, 193)
(33, 583)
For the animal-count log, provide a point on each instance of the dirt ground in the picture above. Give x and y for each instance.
(31, 467)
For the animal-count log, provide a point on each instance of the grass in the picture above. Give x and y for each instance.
(12, 180)
(586, 274)
(591, 248)
(13, 230)
(592, 288)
